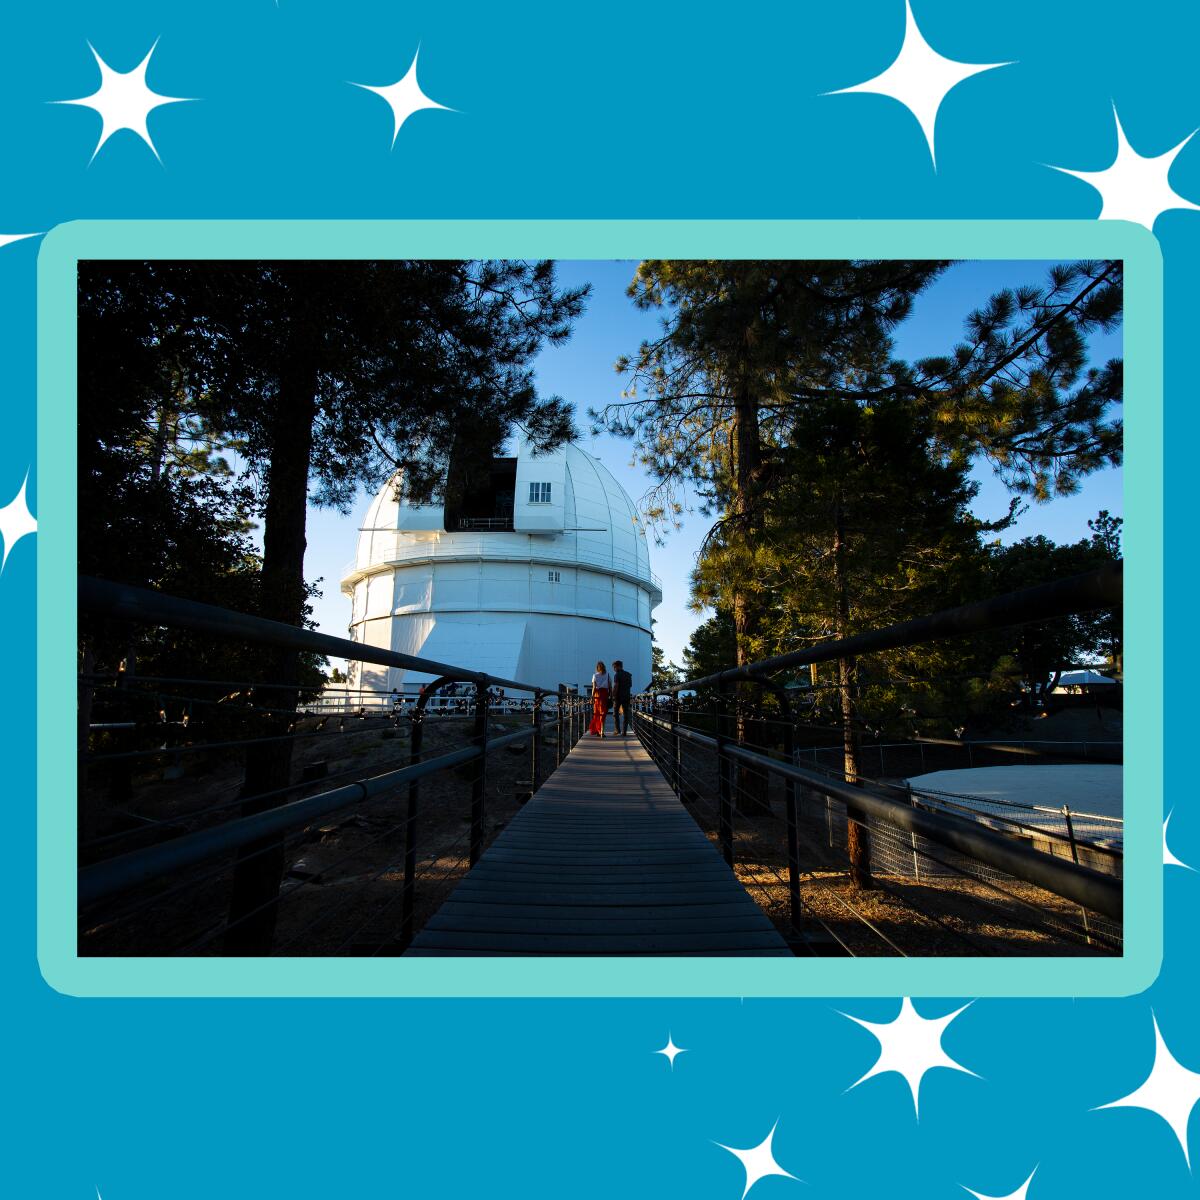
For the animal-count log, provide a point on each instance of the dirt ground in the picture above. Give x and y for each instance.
(343, 876)
(342, 887)
(939, 914)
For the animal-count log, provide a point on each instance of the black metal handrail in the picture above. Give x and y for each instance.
(125, 871)
(960, 838)
(1092, 889)
(1080, 593)
(249, 832)
(148, 607)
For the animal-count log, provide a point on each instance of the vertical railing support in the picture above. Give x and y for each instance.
(1066, 812)
(560, 718)
(912, 803)
(676, 751)
(789, 800)
(479, 782)
(407, 902)
(724, 786)
(85, 813)
(120, 777)
(535, 765)
(789, 807)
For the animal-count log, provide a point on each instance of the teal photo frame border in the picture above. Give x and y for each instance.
(66, 972)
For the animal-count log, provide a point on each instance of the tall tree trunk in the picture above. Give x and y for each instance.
(87, 816)
(752, 783)
(158, 453)
(259, 868)
(858, 842)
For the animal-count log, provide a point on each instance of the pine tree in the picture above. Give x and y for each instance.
(773, 392)
(334, 374)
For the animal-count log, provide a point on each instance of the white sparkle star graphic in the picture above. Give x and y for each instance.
(1019, 1194)
(1169, 859)
(7, 238)
(759, 1161)
(15, 522)
(404, 97)
(920, 78)
(1171, 1090)
(1134, 187)
(124, 100)
(911, 1045)
(671, 1051)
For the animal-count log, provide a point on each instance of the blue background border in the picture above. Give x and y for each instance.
(640, 111)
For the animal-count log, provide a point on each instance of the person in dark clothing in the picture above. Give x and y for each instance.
(622, 691)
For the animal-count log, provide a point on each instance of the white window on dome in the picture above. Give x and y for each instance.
(555, 577)
(539, 493)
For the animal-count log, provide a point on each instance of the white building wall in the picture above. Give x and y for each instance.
(552, 649)
(492, 595)
(545, 468)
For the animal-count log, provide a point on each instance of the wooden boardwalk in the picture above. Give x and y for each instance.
(602, 860)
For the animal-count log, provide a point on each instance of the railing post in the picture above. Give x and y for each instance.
(789, 806)
(1066, 812)
(479, 783)
(676, 752)
(85, 813)
(410, 829)
(724, 787)
(912, 803)
(536, 756)
(120, 777)
(561, 716)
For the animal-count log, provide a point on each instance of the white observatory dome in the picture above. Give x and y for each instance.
(532, 576)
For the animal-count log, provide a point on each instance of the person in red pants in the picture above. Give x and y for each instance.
(601, 687)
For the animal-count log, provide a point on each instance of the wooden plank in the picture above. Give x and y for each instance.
(570, 839)
(614, 859)
(497, 883)
(566, 881)
(618, 896)
(416, 952)
(597, 925)
(593, 870)
(614, 912)
(603, 860)
(645, 943)
(594, 874)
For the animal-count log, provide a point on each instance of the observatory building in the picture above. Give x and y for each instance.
(537, 569)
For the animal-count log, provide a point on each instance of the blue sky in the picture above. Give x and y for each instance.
(582, 372)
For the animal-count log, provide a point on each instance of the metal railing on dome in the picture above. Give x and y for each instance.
(861, 866)
(180, 853)
(401, 548)
(487, 524)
